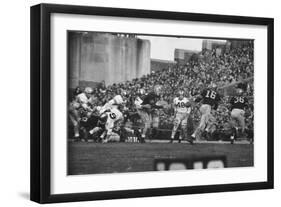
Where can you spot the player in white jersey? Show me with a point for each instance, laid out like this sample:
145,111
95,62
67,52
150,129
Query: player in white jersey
81,101
114,119
113,115
108,120
182,107
84,99
113,103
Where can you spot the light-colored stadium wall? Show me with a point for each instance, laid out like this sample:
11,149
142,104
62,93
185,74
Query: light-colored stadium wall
97,57
74,59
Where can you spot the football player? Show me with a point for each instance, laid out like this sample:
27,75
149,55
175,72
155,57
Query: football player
87,122
114,103
238,104
148,111
99,127
74,117
85,99
78,105
182,107
138,100
77,91
210,99
114,119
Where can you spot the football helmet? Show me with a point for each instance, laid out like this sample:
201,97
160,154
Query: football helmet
239,91
103,117
77,91
88,90
181,94
213,86
157,89
141,91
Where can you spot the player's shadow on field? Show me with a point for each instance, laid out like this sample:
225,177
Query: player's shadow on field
24,195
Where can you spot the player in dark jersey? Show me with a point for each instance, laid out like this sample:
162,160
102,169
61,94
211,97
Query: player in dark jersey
149,113
210,100
88,120
210,97
97,124
238,104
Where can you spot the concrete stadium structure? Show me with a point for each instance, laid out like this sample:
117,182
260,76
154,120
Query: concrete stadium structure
95,57
182,56
158,65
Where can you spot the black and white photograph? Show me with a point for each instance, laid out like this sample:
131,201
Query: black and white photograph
129,103
143,102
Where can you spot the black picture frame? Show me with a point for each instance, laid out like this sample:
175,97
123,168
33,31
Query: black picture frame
41,102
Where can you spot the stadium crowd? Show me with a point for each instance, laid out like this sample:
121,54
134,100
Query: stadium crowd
233,68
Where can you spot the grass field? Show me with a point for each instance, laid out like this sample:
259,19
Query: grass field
92,158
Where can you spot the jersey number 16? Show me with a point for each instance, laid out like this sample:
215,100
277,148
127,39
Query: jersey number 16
211,94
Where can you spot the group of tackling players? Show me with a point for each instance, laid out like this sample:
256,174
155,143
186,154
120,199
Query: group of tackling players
92,119
104,122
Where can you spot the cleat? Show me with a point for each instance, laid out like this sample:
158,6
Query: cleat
142,140
251,141
190,141
193,136
76,139
232,139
